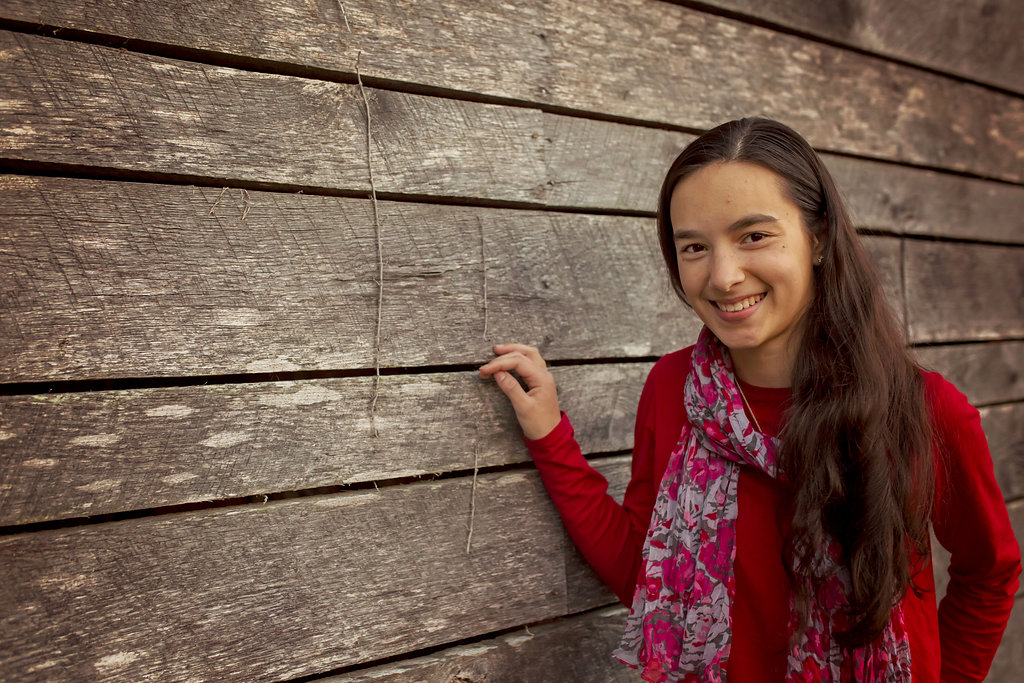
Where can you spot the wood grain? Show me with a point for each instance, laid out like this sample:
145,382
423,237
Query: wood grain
125,279
173,117
1004,429
598,164
91,453
978,39
884,253
576,648
287,589
97,106
1009,659
604,56
917,202
961,292
992,372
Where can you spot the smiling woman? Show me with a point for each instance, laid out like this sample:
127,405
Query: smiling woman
787,467
745,260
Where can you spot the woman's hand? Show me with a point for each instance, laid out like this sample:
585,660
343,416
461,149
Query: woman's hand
537,408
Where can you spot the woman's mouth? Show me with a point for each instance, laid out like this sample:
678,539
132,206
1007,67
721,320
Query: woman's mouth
735,306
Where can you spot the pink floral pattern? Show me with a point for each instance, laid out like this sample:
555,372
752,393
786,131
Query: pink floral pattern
680,627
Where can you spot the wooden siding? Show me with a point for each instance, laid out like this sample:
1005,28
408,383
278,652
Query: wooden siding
976,39
326,581
600,56
190,487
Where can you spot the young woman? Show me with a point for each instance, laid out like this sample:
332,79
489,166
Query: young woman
788,466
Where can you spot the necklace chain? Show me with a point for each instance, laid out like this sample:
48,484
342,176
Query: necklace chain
750,408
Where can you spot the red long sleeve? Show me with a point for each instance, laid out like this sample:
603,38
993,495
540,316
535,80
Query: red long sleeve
611,536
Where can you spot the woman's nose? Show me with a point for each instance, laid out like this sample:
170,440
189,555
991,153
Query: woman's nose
726,270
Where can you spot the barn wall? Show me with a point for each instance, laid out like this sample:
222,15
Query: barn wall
203,477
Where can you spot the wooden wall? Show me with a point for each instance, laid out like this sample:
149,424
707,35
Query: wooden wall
197,482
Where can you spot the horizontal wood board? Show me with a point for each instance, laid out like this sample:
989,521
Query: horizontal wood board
91,453
608,57
83,104
991,372
1009,659
124,279
576,648
916,202
977,39
963,292
101,452
173,117
130,279
1004,429
287,589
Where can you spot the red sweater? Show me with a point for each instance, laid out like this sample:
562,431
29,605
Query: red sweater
969,519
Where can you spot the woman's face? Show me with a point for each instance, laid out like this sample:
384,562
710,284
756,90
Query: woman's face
745,258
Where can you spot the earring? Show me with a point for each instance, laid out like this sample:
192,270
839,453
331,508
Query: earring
819,260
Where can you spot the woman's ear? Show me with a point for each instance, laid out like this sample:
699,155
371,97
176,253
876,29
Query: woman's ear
817,251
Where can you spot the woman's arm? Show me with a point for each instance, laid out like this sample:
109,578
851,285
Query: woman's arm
609,535
971,522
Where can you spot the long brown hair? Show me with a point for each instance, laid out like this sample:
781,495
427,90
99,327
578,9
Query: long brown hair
856,445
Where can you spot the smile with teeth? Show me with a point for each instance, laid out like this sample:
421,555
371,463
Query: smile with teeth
739,305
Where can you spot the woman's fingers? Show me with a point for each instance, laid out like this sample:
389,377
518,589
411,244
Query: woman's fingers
537,406
530,352
511,388
533,373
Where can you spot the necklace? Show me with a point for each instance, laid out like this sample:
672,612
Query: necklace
750,408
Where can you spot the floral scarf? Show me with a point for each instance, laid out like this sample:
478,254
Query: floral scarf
680,625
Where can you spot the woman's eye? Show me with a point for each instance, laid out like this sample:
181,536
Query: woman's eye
692,249
754,236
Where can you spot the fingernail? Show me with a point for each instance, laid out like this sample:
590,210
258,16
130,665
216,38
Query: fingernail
500,376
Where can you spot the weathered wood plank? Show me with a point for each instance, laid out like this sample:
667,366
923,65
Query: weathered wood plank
1009,659
572,649
979,39
174,117
605,56
617,166
992,372
884,253
1004,430
271,592
124,279
916,202
963,292
83,104
601,164
68,455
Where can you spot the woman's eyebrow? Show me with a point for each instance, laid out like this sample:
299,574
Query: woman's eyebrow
745,222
